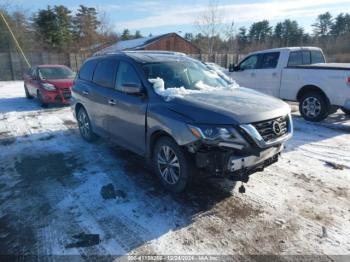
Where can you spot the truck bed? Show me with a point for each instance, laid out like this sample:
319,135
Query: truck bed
325,66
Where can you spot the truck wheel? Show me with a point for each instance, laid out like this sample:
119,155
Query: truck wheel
346,111
313,106
85,126
171,165
27,92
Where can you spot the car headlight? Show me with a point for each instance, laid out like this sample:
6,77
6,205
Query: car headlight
49,87
213,133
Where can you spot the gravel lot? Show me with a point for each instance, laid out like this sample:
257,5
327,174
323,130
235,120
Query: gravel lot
62,196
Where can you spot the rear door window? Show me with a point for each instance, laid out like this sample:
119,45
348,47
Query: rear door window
295,58
104,74
306,57
87,70
299,58
269,60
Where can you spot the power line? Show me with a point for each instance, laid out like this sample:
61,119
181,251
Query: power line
14,38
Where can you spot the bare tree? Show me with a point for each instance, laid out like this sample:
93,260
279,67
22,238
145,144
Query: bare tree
230,35
209,24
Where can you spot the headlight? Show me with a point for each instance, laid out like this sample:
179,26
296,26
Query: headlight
212,132
49,87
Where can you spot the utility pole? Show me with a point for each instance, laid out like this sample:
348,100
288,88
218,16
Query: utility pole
14,39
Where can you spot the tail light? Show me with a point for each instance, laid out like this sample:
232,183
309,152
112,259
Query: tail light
348,81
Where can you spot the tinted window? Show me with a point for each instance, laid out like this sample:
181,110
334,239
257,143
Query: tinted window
269,60
306,58
87,70
295,58
104,74
249,63
126,75
317,57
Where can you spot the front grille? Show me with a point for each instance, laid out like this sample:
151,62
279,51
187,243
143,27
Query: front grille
273,128
66,93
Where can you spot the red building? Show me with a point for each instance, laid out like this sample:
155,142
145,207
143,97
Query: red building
167,42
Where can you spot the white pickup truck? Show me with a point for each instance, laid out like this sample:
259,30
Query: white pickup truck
298,74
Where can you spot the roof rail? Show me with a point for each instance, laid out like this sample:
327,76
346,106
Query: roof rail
140,52
154,52
107,53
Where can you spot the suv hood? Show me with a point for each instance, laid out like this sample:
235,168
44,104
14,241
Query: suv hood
237,106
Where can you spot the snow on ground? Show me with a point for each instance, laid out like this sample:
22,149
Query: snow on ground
51,200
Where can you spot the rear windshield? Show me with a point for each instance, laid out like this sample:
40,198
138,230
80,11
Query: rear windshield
186,74
56,73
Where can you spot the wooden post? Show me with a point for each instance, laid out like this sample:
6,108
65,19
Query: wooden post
11,66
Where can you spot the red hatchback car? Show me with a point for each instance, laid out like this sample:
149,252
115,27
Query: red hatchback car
51,84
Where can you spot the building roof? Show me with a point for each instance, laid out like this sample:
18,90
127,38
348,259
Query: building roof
134,44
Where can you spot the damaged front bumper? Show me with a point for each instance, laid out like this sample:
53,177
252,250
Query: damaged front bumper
235,165
253,147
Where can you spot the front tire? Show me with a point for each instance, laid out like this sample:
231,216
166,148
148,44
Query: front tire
346,111
41,100
172,165
27,92
314,107
84,125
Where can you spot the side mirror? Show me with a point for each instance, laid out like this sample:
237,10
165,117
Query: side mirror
132,89
233,68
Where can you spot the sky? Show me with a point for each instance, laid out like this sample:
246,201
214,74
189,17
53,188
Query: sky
164,16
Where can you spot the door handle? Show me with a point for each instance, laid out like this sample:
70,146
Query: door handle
252,74
112,102
85,92
274,74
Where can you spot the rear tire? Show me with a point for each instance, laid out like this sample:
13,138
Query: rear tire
346,111
84,125
172,165
27,92
313,106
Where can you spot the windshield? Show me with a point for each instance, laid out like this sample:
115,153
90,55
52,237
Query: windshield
56,73
184,74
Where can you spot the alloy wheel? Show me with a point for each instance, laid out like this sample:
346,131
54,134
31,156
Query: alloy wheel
168,165
84,124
